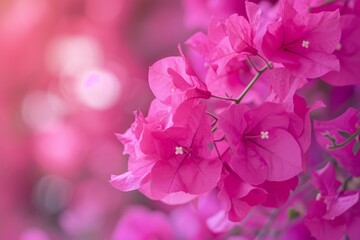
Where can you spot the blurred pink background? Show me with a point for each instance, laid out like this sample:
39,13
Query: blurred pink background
71,74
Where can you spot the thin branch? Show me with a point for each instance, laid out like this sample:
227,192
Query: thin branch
343,144
213,116
268,64
252,64
223,98
249,86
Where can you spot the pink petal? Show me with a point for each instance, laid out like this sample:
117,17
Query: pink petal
241,35
340,205
126,181
190,175
282,154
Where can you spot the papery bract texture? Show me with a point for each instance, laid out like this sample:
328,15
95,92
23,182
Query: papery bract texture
333,212
348,53
257,138
172,81
171,155
239,196
303,43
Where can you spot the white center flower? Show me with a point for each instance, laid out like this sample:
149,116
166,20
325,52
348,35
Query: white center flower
264,134
318,197
305,44
179,150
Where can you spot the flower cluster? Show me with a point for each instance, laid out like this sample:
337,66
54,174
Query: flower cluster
228,119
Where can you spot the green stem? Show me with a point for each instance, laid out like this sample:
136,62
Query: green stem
343,144
346,183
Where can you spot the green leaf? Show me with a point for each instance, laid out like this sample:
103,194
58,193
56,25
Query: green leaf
293,213
344,134
356,148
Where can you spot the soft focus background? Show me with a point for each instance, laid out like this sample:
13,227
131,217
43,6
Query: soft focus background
71,74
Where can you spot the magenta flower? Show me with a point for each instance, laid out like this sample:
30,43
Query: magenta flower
230,40
229,125
278,192
257,138
242,32
139,223
334,212
172,80
171,155
348,53
238,196
303,43
215,47
283,87
186,163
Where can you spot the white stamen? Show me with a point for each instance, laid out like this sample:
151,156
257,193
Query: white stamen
264,134
172,89
179,150
318,197
305,44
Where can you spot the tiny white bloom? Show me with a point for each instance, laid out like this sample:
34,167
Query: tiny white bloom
305,44
264,134
179,150
318,197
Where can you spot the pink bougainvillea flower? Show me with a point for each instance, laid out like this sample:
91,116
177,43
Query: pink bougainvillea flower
185,158
241,31
303,111
139,163
337,202
303,43
257,138
278,192
324,180
239,197
348,53
171,155
139,223
195,216
172,80
228,40
341,129
215,47
283,86
227,74
320,228
241,35
333,212
205,43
